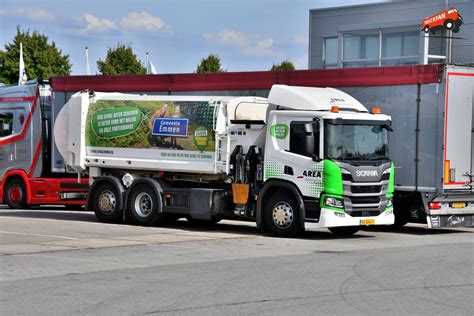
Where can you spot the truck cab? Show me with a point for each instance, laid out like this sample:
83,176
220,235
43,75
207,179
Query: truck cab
327,145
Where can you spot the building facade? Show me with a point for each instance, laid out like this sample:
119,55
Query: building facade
386,34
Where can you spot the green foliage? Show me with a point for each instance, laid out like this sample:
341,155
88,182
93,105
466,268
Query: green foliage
285,65
42,59
121,60
210,64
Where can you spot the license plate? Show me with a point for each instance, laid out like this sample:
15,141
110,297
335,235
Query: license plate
458,204
367,222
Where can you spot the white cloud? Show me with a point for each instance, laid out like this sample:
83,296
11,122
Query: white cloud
143,21
231,37
94,24
38,15
247,44
263,47
300,39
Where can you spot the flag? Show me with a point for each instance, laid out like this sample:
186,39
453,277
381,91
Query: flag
150,68
22,78
88,69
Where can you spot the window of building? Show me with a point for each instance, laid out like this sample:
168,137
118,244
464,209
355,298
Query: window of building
360,50
400,48
6,124
330,52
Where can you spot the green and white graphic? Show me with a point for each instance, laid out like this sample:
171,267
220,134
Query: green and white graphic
279,131
116,122
201,137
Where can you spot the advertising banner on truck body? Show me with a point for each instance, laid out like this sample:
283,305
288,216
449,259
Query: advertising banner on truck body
177,130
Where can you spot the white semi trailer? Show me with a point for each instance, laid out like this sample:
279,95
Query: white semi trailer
303,158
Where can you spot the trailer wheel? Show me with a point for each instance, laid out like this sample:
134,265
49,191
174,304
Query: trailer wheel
15,193
344,231
105,203
144,206
282,215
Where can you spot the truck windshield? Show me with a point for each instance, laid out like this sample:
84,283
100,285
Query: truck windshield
356,142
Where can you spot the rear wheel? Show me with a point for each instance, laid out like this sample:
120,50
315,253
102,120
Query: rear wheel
106,203
144,207
15,193
344,231
282,215
449,24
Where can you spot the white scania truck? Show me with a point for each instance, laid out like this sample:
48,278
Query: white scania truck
303,158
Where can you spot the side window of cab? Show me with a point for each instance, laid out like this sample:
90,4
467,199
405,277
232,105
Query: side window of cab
6,124
304,138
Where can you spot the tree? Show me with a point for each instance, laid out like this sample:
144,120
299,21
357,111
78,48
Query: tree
283,66
210,64
42,59
121,60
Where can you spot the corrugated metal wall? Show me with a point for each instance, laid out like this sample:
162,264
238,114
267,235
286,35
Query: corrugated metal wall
333,21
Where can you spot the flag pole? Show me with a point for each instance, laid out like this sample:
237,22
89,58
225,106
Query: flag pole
88,69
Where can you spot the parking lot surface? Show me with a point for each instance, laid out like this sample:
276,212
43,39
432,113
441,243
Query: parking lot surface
55,261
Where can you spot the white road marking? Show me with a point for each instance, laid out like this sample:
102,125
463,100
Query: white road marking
40,235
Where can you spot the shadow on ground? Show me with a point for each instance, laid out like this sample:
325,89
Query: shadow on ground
416,230
62,214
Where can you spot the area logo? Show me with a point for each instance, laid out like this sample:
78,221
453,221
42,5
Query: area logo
312,174
367,173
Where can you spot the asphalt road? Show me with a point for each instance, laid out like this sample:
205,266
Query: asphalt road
55,261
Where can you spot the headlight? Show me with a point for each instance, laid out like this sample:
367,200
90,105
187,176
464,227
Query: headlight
389,202
333,202
345,171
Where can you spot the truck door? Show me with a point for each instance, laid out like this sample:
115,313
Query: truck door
458,138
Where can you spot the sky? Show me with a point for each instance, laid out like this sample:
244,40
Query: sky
247,35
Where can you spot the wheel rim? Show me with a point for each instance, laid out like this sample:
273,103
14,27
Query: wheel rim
282,214
15,194
449,25
143,204
107,202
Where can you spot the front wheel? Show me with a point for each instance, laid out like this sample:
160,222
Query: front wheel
15,193
344,231
282,215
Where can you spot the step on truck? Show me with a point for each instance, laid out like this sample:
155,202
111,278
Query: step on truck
301,158
26,176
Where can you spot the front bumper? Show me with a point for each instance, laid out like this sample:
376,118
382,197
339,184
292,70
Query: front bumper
329,218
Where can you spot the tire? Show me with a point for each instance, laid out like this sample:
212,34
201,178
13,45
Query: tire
144,207
426,29
282,215
105,203
344,231
15,193
449,24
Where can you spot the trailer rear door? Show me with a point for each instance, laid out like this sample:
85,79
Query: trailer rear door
459,129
